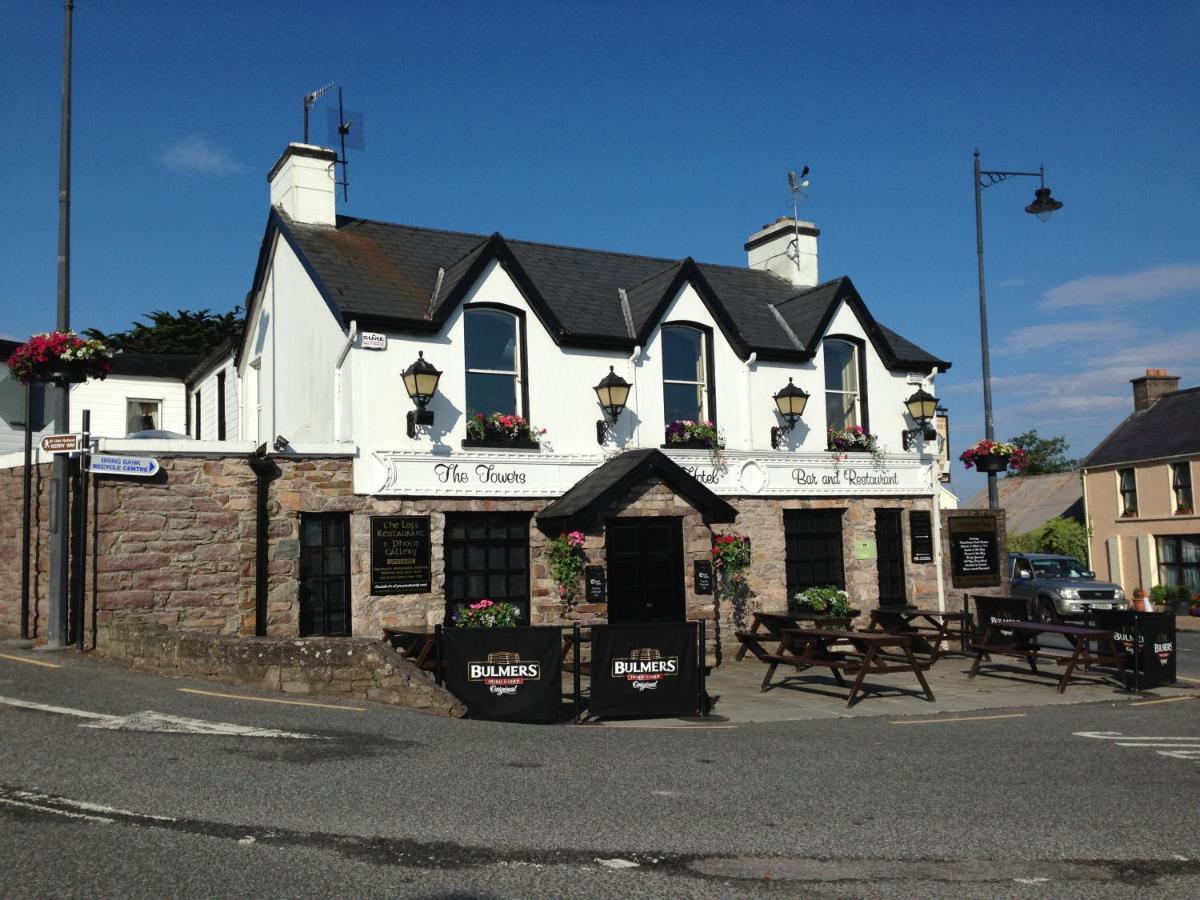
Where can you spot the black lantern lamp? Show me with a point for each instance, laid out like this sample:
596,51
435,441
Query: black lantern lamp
1043,205
613,392
421,381
922,406
789,403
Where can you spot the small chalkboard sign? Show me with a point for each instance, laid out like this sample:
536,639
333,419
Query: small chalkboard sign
703,576
920,530
593,577
400,555
974,551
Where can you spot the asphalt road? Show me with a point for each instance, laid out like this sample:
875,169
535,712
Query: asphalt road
137,785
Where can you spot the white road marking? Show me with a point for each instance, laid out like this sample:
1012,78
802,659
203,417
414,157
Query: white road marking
35,797
273,700
617,863
58,812
148,720
1178,747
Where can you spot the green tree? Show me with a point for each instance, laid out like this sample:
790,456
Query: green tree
1064,536
184,331
1046,455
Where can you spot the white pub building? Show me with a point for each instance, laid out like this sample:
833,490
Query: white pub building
381,477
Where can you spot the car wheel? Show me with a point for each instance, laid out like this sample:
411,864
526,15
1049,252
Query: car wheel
1046,612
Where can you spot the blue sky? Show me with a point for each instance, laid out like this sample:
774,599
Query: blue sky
658,128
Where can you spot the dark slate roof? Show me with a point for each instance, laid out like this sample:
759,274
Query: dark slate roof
605,485
387,276
154,365
1030,501
1171,427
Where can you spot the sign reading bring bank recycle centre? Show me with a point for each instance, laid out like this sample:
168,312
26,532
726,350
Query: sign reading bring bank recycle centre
108,464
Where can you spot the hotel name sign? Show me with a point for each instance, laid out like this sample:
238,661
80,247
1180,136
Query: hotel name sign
531,474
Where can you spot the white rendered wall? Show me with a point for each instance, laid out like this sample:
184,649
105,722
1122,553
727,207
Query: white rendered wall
107,401
208,390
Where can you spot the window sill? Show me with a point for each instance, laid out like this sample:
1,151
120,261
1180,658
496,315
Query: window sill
493,444
689,445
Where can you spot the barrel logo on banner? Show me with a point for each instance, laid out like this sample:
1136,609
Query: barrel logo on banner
1163,648
645,667
504,672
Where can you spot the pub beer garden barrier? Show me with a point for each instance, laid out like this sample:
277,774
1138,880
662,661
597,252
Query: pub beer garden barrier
642,670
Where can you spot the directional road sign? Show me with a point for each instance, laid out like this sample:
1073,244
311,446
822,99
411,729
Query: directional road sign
62,443
108,464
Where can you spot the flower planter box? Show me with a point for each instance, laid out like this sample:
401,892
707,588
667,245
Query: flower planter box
694,444
491,443
995,462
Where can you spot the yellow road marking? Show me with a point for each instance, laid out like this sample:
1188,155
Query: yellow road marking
1166,700
31,662
959,719
273,700
1185,678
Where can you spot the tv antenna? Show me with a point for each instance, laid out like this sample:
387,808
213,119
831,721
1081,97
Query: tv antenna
799,188
345,130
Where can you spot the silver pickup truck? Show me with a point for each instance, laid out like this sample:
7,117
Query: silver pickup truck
1060,586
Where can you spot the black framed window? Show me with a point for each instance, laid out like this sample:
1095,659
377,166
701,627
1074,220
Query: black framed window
197,414
324,574
685,374
487,557
813,541
221,405
1181,487
1179,560
1127,482
492,338
843,395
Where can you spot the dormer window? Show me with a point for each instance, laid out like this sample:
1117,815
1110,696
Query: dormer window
843,394
685,374
494,362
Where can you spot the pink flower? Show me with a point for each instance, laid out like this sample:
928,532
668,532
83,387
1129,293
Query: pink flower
482,604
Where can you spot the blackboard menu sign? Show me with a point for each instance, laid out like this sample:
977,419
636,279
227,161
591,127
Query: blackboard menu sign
400,555
974,554
920,531
702,577
593,577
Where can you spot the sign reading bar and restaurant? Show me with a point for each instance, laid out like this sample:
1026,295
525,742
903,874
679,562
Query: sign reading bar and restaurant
974,551
400,555
645,669
507,674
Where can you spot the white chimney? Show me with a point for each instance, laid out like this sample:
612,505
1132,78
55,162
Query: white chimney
304,184
787,248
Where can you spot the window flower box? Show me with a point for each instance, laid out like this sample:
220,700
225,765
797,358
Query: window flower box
61,357
502,431
684,434
855,439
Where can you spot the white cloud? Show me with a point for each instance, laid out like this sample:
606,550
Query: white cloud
1103,290
195,154
1066,335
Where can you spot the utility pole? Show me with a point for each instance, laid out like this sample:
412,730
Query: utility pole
60,512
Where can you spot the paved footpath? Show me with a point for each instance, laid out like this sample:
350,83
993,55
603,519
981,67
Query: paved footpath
121,784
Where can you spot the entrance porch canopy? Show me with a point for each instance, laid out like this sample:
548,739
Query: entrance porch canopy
596,492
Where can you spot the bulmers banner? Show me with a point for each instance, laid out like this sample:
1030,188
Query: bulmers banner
644,670
507,674
1148,642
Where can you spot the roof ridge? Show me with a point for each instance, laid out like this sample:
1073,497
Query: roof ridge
677,264
816,287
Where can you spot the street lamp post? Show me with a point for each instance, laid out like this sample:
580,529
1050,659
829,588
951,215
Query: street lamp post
1042,206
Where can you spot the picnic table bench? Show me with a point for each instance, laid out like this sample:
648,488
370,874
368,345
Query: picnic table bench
860,653
770,625
930,629
413,641
1022,643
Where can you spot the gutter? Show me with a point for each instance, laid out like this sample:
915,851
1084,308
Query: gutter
265,470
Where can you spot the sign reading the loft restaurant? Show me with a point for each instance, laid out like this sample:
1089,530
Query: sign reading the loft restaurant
400,552
974,552
534,473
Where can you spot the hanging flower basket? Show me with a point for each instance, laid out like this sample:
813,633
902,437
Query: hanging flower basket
994,456
62,357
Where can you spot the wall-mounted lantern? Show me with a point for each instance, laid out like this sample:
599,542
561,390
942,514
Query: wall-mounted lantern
613,391
421,381
922,406
789,403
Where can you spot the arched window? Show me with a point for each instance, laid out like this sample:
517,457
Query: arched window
685,374
493,357
843,394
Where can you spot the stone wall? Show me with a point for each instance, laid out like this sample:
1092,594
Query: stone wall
11,507
342,667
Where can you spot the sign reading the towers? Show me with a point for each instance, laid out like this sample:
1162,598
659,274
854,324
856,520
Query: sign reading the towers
400,555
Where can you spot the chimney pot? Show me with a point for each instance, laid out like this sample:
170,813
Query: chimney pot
1148,389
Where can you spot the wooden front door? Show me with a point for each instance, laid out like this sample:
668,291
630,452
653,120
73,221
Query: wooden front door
645,570
889,544
324,574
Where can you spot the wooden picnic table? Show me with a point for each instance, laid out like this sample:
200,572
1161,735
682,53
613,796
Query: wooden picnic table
930,628
771,624
861,653
1022,643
